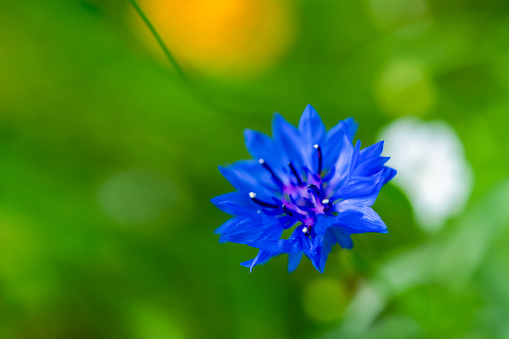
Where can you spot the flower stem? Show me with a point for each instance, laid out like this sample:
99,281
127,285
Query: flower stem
165,49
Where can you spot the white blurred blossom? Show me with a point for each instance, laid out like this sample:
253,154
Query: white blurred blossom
432,168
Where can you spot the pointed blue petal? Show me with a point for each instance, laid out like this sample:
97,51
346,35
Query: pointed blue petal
311,126
234,203
341,237
326,248
356,187
263,235
351,126
315,260
262,258
227,225
333,144
288,140
261,146
323,222
249,176
294,261
370,166
372,151
361,220
388,174
342,165
360,198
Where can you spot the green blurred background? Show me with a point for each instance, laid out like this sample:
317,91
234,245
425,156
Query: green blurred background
108,160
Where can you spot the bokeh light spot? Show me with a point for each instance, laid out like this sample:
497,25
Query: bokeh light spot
135,197
404,88
324,300
388,14
226,37
432,168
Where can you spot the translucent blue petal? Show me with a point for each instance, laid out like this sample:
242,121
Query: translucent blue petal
357,200
234,203
261,146
370,167
388,174
358,186
326,248
315,260
323,222
311,127
361,220
341,237
372,151
249,176
355,156
256,234
258,144
342,165
351,127
288,139
262,258
333,144
294,261
227,225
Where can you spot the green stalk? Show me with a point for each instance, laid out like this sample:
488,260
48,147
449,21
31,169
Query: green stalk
165,49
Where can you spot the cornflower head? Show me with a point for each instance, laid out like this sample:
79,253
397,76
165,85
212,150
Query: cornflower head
307,178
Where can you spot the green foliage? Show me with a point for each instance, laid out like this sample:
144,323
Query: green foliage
108,161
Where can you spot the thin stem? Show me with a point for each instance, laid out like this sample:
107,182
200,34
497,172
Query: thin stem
165,49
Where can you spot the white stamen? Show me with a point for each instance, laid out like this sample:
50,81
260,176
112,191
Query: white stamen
252,195
325,201
261,161
305,230
316,146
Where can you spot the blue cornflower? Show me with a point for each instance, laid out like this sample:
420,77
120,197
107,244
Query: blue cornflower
307,177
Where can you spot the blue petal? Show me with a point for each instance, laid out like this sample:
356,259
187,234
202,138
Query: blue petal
234,203
341,237
297,241
333,144
351,127
255,233
294,261
287,139
326,248
227,225
361,220
372,151
388,174
355,155
262,258
323,222
258,144
261,146
315,260
358,186
249,176
357,199
311,126
370,167
342,165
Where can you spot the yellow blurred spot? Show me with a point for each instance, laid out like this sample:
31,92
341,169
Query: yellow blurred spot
324,300
229,37
404,89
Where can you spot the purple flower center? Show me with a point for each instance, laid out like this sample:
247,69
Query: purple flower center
302,198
